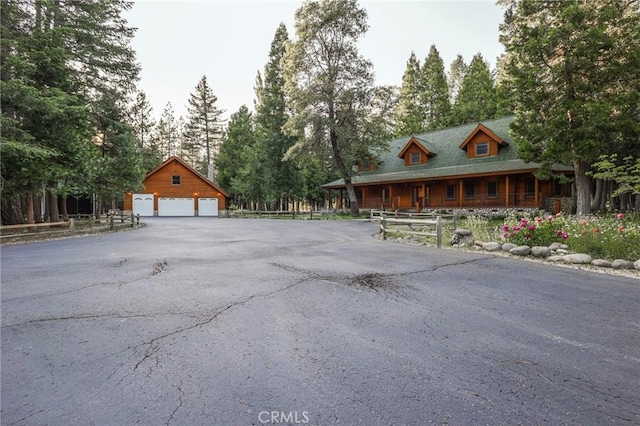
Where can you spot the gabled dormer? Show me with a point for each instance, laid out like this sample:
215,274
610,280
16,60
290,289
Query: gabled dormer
415,152
367,164
482,142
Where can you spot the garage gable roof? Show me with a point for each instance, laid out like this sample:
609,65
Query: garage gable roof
171,159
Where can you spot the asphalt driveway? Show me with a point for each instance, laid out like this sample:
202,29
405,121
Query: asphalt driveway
204,321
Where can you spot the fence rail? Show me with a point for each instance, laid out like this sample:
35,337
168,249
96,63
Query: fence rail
70,227
419,220
292,214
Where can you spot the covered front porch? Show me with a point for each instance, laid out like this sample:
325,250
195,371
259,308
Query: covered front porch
522,190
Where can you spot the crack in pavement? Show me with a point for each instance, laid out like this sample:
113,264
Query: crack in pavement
173,413
97,316
158,267
153,345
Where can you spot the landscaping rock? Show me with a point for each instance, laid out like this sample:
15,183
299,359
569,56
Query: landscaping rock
555,246
521,251
622,264
461,237
508,246
636,265
555,258
578,258
562,251
564,247
491,246
601,262
540,251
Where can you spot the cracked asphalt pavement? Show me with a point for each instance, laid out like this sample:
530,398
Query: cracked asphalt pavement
202,321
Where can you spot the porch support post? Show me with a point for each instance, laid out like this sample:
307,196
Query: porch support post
340,200
535,186
364,196
506,199
424,196
461,191
391,198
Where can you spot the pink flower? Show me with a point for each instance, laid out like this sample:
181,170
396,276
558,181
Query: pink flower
516,228
505,227
620,229
505,235
532,227
559,232
524,221
565,235
527,235
538,219
550,218
620,216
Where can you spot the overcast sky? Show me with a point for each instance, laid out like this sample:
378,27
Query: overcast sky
179,41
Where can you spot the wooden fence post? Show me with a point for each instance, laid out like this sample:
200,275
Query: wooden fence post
438,232
111,223
383,228
72,226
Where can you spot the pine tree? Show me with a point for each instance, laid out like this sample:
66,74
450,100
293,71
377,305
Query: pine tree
230,160
457,72
410,114
166,134
476,100
574,68
282,176
203,128
434,91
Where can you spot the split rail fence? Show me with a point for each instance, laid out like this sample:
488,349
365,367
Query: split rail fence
421,224
70,227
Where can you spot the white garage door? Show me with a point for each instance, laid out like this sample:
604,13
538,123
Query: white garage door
207,207
169,206
143,204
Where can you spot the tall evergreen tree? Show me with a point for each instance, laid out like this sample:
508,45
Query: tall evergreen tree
143,124
282,175
434,91
575,71
231,158
476,100
166,133
58,60
203,128
457,72
330,88
410,114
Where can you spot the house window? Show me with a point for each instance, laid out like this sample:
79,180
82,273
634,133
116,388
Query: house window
492,189
415,158
451,192
529,188
482,148
175,180
469,190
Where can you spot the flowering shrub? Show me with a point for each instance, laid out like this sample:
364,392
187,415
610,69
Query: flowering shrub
539,231
607,237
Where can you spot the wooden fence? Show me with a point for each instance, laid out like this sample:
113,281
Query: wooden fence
70,227
422,224
280,214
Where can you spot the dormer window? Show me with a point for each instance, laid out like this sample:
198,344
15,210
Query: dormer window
482,142
175,180
416,151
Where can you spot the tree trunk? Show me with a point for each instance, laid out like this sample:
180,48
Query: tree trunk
595,202
583,188
30,212
52,198
65,213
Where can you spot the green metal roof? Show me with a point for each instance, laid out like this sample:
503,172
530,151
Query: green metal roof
449,159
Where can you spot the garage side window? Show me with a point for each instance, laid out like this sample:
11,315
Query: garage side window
175,180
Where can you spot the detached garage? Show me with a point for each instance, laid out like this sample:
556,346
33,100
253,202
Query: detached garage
176,189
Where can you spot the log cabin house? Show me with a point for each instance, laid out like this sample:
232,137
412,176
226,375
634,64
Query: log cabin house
471,166
175,189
